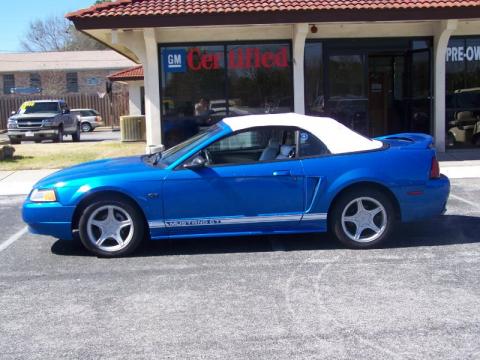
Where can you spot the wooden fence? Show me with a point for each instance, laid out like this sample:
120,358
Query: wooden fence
109,110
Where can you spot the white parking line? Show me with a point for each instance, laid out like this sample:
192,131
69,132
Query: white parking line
13,238
471,203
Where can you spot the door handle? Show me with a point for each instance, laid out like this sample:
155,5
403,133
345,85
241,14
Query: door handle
282,173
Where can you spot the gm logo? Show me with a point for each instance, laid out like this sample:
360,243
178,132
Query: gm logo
174,60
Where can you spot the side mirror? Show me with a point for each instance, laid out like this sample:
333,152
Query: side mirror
196,163
66,111
13,112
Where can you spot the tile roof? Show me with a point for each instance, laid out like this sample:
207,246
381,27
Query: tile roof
63,60
134,8
134,73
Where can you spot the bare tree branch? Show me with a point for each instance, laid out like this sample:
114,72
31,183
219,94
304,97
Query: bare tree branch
55,33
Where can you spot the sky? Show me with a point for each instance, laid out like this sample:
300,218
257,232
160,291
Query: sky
16,15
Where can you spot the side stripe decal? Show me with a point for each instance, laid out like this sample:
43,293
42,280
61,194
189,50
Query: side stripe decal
174,223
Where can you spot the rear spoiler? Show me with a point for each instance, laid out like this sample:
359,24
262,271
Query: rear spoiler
412,140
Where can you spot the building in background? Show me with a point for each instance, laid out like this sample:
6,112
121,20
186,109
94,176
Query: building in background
133,78
79,77
398,66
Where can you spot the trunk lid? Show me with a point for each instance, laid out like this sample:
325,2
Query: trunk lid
408,140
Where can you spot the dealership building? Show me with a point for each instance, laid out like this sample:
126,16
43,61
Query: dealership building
378,66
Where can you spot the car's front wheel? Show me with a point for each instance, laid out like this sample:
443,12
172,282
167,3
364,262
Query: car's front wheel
362,218
111,228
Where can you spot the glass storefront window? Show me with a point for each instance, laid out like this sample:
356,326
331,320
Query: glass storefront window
259,79
463,92
347,102
204,84
314,94
193,81
375,86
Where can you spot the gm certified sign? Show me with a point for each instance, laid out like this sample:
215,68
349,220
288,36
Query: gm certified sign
174,60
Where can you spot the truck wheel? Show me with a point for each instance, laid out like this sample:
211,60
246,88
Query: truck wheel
15,141
59,137
362,219
76,135
86,127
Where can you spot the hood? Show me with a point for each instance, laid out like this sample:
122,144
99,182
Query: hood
43,115
98,168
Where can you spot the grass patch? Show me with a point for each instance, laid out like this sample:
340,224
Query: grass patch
55,156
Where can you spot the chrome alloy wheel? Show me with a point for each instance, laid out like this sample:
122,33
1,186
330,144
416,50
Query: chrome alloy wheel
110,228
364,219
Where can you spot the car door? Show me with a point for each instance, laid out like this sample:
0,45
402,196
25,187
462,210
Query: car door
68,118
246,197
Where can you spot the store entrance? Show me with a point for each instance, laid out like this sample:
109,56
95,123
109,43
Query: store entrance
386,100
378,91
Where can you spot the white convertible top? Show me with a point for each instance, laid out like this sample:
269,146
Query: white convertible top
337,137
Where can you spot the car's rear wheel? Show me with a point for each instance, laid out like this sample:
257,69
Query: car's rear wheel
111,228
76,135
362,218
86,127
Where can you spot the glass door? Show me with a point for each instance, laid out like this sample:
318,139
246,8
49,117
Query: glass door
346,98
419,87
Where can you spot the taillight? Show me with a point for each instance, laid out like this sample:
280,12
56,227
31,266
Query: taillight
435,169
98,118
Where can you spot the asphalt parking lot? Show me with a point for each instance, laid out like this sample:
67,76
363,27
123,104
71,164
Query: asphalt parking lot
283,297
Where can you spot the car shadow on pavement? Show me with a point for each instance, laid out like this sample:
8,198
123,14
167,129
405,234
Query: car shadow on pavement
441,231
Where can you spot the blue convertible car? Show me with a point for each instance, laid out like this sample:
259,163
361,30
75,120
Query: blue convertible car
259,174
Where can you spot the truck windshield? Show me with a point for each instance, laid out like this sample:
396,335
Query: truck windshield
31,107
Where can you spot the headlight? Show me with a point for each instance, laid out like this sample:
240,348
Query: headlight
12,124
43,195
48,122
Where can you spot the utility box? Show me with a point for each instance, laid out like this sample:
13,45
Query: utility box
132,128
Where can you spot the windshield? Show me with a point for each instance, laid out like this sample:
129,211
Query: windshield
176,152
31,107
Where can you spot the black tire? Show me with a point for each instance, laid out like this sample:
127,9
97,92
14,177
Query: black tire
347,203
76,135
95,211
15,141
86,127
37,141
59,136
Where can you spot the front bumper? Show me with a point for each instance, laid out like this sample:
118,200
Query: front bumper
53,219
32,133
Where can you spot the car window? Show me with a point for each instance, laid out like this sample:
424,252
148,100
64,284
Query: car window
86,113
310,145
176,152
250,146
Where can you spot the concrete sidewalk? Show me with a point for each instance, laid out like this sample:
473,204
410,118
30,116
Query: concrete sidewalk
21,182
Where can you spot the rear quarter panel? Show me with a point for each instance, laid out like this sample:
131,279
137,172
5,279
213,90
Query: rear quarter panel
398,169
